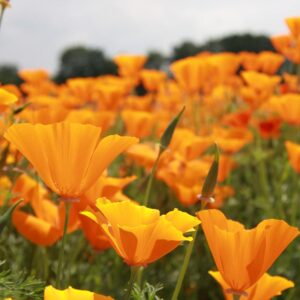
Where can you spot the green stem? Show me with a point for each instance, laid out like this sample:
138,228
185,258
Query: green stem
133,275
184,267
150,181
236,297
59,275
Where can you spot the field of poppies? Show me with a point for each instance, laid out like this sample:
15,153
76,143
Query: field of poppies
177,184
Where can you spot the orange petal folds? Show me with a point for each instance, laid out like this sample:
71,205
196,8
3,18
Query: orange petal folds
152,79
243,256
266,287
130,65
293,151
7,98
294,26
35,229
72,294
69,157
139,234
138,123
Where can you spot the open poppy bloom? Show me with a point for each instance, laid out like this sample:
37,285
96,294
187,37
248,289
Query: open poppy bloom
6,99
72,294
242,256
293,151
69,157
266,287
45,226
140,235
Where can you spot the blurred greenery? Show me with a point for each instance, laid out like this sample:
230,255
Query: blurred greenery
83,61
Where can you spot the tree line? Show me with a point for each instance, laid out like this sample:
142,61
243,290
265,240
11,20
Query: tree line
82,61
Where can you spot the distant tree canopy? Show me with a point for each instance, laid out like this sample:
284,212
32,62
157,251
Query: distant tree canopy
82,61
9,75
156,60
231,43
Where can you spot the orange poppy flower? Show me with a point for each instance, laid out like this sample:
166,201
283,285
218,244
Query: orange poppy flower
130,65
266,287
134,102
288,46
72,294
243,256
103,119
6,99
232,140
226,64
45,227
294,26
138,123
152,79
44,115
293,151
26,188
139,234
270,62
286,106
69,157
193,73
238,119
269,128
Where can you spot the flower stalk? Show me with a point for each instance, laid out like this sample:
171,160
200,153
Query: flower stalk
59,273
134,270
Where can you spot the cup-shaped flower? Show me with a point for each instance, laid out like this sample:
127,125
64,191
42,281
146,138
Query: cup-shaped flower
242,256
140,235
266,287
72,294
69,157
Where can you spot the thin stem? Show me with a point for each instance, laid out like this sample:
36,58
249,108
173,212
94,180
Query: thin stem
2,9
236,297
133,275
59,275
150,181
185,264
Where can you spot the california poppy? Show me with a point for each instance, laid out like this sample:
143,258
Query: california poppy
293,151
45,226
69,157
266,287
72,294
242,256
140,235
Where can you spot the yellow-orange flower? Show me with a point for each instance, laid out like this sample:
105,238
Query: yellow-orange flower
266,287
69,157
130,65
293,151
243,256
72,294
6,99
139,234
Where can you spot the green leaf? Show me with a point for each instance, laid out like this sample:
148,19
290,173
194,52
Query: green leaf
21,108
5,218
211,178
167,135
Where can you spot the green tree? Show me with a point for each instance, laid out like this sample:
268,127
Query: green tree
80,61
156,60
9,75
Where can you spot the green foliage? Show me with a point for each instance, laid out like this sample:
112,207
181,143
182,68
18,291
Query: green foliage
80,61
147,292
156,60
9,75
230,43
20,287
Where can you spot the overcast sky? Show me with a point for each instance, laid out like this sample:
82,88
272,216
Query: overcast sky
34,32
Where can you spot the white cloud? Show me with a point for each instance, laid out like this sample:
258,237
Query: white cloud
34,32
